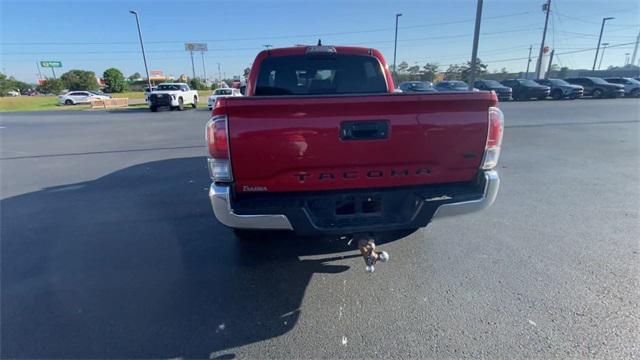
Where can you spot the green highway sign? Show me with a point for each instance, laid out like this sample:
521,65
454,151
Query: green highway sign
51,64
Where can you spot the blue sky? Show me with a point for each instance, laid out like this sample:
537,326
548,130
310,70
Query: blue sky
95,35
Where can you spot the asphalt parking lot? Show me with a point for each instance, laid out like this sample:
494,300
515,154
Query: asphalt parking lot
109,249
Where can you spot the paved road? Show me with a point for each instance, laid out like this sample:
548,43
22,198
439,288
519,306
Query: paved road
110,250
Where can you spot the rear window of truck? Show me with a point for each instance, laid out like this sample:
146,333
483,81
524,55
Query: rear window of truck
320,75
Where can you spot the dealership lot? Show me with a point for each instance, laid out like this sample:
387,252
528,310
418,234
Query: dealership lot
110,250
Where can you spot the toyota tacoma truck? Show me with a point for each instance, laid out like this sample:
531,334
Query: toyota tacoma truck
321,144
173,96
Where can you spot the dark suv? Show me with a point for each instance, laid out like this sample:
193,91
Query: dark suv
504,93
416,87
597,87
561,89
524,89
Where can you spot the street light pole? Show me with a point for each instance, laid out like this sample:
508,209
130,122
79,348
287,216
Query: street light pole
604,47
144,57
595,59
395,47
474,52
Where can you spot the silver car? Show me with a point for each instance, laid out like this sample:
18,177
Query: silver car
631,86
80,97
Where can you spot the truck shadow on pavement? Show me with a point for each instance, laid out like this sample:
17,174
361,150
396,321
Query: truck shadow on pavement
134,265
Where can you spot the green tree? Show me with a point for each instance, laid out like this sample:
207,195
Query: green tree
80,80
114,80
429,71
454,72
135,76
402,67
11,84
481,70
197,84
51,86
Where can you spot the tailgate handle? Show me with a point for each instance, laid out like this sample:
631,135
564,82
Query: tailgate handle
364,130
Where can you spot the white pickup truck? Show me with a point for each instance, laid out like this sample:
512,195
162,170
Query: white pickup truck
173,95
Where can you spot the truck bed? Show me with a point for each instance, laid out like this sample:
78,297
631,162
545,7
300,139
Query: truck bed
334,142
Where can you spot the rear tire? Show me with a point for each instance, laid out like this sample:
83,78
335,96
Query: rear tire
195,102
180,104
153,108
596,94
557,94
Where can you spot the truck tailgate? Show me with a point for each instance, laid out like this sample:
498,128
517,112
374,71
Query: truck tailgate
316,143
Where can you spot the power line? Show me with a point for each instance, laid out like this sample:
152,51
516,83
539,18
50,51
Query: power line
266,37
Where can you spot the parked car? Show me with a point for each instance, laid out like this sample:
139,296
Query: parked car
597,87
80,97
13,93
416,87
289,157
561,89
452,85
524,89
221,93
504,92
631,86
172,95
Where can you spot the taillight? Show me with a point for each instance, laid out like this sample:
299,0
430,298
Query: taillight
218,142
494,139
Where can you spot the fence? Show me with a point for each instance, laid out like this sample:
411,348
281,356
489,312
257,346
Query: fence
109,103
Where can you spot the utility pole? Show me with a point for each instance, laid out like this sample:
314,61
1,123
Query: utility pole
599,40
546,8
144,57
626,58
546,75
53,71
204,69
526,75
604,47
395,48
219,73
474,51
635,50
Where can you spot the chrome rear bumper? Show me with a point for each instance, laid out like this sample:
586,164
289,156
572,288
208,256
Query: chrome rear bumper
220,197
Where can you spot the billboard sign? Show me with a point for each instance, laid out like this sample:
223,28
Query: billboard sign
51,64
155,73
196,47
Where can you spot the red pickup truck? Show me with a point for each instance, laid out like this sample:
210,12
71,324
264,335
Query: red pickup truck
323,144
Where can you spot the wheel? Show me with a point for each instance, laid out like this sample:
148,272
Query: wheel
556,94
153,108
522,97
195,102
68,102
180,104
542,97
597,93
635,93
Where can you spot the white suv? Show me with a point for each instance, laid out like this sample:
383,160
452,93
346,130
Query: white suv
221,93
80,97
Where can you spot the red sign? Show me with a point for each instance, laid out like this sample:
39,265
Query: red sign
155,73
545,49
